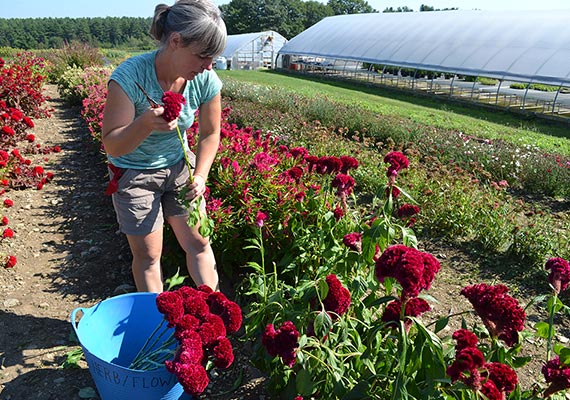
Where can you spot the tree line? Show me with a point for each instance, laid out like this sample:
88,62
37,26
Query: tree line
287,17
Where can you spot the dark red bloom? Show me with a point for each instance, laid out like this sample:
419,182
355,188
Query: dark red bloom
8,233
407,211
348,163
501,314
344,184
10,262
299,152
490,390
190,350
464,338
353,241
260,218
295,173
557,374
8,203
504,377
469,359
559,275
170,304
184,325
338,297
413,269
328,165
229,311
282,342
223,353
338,213
193,377
415,307
173,103
211,329
397,160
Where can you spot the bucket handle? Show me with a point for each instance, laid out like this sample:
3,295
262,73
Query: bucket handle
74,321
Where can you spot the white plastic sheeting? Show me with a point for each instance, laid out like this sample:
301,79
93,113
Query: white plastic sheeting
253,50
524,46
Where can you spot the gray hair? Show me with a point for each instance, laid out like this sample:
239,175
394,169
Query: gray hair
199,23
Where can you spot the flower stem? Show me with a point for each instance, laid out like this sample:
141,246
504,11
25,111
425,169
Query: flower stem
551,311
186,159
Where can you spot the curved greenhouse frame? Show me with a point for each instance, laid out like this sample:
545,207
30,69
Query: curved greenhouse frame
253,50
514,59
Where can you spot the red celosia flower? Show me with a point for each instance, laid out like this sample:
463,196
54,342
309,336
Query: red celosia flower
190,350
503,376
4,220
299,152
30,138
397,160
501,314
464,338
260,218
193,377
223,353
211,329
559,275
490,390
8,233
343,184
8,130
170,304
10,262
353,241
282,342
229,311
28,121
8,203
407,210
338,297
557,374
414,308
348,163
186,325
173,103
469,359
295,173
338,213
413,269
328,165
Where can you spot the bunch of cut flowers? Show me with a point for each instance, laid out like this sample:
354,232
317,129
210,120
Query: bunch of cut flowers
201,319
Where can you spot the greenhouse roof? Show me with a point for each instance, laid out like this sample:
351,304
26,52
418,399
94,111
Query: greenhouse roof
237,42
526,46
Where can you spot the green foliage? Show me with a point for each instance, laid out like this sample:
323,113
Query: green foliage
74,55
54,33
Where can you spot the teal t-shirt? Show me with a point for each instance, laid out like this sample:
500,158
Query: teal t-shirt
160,149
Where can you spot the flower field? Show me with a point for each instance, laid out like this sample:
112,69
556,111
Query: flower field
320,211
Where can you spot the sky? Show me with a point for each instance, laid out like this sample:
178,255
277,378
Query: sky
145,8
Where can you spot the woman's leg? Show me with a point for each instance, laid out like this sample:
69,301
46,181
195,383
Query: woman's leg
146,250
199,255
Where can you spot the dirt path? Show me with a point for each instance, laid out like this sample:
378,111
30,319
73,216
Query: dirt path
69,256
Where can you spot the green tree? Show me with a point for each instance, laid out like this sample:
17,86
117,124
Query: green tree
315,11
340,7
399,9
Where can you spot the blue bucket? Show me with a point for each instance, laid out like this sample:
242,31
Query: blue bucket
111,334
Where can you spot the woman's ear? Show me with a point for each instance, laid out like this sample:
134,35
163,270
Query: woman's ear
175,40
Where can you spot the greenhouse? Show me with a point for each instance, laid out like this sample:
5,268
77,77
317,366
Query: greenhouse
251,51
501,58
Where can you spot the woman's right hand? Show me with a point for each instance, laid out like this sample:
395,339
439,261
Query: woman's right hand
154,121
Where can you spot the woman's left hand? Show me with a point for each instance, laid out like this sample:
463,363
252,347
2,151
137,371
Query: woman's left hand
197,188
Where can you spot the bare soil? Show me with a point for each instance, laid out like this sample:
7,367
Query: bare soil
70,255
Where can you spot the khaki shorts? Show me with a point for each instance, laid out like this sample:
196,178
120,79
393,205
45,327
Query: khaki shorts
144,198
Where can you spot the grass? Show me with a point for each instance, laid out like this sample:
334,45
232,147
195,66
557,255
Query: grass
472,120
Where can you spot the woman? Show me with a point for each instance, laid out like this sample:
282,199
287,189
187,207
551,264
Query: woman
145,155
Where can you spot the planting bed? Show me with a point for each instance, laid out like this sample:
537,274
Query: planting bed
70,255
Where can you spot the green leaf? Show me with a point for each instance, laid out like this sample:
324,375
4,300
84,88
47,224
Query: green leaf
565,356
441,324
519,362
542,329
72,358
322,288
323,324
303,383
